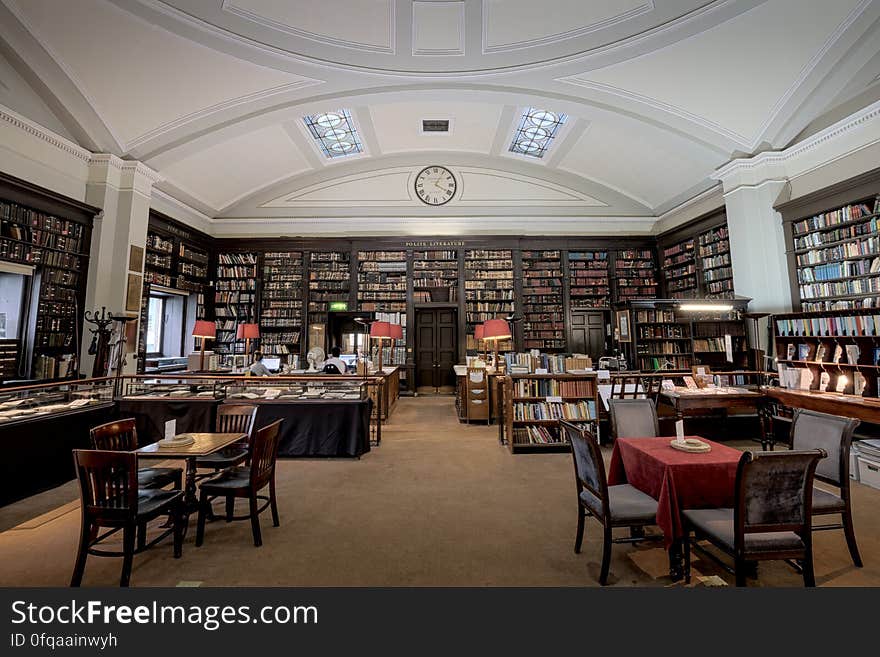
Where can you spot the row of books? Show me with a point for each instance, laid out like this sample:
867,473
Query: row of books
838,270
189,253
381,256
23,216
713,236
846,325
835,217
536,435
718,274
236,284
434,255
159,243
237,259
502,265
868,248
840,288
35,255
237,271
579,410
158,260
552,388
812,240
715,248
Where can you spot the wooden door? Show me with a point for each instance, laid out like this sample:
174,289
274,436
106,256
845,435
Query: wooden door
436,348
587,333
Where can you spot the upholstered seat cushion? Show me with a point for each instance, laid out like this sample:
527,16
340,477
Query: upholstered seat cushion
717,524
825,502
226,458
152,500
227,480
625,503
158,477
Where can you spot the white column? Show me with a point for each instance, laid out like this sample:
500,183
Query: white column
122,190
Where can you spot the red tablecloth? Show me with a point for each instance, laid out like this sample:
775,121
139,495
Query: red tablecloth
677,480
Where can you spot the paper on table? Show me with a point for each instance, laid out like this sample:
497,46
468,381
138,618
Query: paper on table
170,429
679,430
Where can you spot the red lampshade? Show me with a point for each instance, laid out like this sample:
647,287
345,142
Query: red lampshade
396,332
380,330
496,329
204,329
247,331
478,332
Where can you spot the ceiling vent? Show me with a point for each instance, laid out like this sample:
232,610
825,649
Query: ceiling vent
435,125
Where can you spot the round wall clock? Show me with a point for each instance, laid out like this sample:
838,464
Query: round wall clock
435,185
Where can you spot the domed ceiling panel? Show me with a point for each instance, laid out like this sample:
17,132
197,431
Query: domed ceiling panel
472,126
720,76
362,25
124,66
442,36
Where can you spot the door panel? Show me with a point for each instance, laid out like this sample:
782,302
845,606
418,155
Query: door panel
587,332
436,347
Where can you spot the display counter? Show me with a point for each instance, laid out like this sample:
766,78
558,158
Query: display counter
39,427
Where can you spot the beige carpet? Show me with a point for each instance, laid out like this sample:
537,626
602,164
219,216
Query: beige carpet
438,504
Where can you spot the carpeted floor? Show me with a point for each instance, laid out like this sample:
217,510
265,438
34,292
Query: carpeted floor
438,504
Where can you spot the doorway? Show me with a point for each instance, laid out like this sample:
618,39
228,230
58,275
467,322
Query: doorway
436,349
588,333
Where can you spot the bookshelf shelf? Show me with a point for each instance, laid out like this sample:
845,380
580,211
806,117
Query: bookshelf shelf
489,290
382,289
329,280
281,303
235,302
635,275
543,319
589,285
435,276
534,404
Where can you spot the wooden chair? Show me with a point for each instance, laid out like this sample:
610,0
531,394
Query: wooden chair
626,386
121,436
245,482
633,418
811,429
231,418
771,518
613,506
110,498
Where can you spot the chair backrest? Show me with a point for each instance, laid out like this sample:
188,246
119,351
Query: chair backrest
652,385
810,429
116,436
633,418
589,466
107,482
264,451
626,386
236,418
774,493
330,368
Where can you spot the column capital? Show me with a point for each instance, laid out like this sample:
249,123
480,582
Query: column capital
125,175
751,172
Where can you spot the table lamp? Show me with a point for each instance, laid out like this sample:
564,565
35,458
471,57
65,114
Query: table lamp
380,331
495,330
204,330
247,332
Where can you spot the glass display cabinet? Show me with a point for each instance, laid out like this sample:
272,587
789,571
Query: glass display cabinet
41,401
282,390
171,387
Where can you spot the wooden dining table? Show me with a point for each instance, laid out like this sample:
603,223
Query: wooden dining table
677,480
204,444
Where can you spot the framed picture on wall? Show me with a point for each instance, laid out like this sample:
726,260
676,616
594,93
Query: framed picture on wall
622,317
136,258
133,294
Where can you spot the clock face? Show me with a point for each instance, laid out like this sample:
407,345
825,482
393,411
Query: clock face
435,185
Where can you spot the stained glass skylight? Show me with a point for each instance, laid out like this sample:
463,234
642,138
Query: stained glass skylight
536,131
335,133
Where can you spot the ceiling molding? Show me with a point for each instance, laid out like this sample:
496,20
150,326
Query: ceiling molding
458,50
659,106
771,165
229,7
554,38
245,100
44,134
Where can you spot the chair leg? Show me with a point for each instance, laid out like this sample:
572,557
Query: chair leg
200,525
141,535
850,534
255,520
807,566
178,481
606,557
178,517
230,507
686,545
273,503
128,539
82,553
739,571
579,536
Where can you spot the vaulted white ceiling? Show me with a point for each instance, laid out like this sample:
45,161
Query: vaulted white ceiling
658,94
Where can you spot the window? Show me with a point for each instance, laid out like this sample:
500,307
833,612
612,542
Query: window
335,133
536,130
155,325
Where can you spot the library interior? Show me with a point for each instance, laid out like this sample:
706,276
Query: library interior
523,294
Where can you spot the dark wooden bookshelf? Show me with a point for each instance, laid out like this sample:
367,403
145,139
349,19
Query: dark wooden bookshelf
489,290
382,290
235,298
281,303
541,301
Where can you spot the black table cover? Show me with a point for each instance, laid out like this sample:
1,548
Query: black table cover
192,415
38,452
319,427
